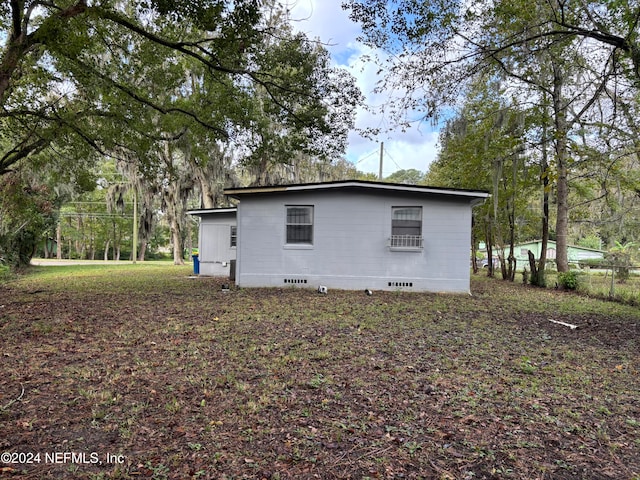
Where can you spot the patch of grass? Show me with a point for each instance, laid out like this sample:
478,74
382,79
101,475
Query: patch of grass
5,274
187,382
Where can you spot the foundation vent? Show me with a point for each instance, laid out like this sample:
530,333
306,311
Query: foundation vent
295,280
400,284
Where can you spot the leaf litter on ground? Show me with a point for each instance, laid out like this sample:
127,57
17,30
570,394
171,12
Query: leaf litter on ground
179,379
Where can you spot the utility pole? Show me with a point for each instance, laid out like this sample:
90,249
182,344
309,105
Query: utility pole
381,154
134,252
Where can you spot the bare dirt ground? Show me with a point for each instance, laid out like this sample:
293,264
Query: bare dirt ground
131,375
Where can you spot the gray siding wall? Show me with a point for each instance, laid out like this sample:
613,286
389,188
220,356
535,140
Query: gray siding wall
351,244
215,249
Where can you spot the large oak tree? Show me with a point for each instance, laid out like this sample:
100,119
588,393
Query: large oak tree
84,80
70,70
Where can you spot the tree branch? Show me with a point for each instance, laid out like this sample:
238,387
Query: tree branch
177,46
19,152
615,41
146,101
16,21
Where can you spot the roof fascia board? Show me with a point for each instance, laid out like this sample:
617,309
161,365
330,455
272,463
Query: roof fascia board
388,187
211,211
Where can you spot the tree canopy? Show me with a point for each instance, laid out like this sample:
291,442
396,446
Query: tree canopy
163,87
576,63
109,75
443,43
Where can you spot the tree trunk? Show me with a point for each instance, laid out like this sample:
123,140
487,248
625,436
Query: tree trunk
115,240
511,203
562,222
503,262
174,197
511,259
208,194
489,241
542,262
474,248
189,238
18,45
539,278
176,240
142,250
145,228
59,241
534,269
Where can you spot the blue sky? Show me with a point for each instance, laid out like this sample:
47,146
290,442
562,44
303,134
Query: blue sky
416,148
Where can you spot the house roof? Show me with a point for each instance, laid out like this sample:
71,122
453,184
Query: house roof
211,211
477,196
553,242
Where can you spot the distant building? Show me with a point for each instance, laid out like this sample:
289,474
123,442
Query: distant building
575,254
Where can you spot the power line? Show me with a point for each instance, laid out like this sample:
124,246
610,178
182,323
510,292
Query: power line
85,203
367,156
386,152
94,215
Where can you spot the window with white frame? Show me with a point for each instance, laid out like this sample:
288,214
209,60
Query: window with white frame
299,225
406,227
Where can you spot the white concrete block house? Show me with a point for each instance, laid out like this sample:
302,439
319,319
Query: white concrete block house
216,240
345,235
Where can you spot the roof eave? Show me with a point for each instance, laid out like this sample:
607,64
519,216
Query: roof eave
392,187
211,211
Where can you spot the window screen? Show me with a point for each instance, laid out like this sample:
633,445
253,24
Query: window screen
406,221
299,224
233,236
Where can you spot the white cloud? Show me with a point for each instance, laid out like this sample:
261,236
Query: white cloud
326,20
415,148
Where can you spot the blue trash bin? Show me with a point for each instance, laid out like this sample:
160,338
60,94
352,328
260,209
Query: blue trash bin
196,264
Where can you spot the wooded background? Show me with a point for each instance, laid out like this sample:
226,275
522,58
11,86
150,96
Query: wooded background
169,102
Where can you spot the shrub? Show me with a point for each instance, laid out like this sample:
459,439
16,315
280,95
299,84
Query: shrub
569,280
621,257
5,273
26,212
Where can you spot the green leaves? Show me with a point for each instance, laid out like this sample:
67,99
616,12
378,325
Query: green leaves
26,210
133,80
119,76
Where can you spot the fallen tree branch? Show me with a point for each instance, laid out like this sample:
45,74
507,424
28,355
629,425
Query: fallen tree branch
572,327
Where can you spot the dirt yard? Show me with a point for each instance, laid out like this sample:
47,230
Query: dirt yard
140,372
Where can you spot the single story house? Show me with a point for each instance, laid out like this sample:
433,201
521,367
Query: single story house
345,235
575,254
217,240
